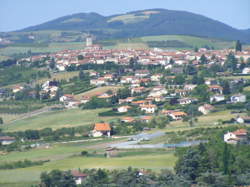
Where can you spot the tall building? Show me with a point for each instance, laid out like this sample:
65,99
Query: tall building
89,41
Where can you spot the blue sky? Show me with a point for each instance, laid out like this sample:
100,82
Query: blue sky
17,14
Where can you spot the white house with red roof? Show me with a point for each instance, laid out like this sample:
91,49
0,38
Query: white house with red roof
148,108
205,109
123,109
101,129
234,137
78,176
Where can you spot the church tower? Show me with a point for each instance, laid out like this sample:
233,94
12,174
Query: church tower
89,41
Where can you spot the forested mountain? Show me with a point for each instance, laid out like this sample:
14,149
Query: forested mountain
145,23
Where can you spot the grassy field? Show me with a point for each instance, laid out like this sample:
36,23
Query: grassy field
28,175
191,40
58,119
52,47
65,156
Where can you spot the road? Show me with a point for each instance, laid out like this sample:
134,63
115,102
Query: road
133,144
36,112
133,141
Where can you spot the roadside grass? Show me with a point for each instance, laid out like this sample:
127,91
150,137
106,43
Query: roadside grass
58,119
2,58
97,91
7,118
236,77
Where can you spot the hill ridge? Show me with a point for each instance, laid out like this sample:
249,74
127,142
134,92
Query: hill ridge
146,22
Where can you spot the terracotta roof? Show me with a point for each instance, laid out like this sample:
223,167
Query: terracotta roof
6,138
148,106
76,173
147,117
215,87
129,119
139,102
179,113
102,127
240,132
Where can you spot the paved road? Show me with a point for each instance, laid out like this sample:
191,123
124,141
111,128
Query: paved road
134,140
36,112
133,144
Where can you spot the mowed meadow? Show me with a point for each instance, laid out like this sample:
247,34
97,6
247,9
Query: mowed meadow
67,156
58,119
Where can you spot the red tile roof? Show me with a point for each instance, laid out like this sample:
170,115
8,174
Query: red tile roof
240,132
102,127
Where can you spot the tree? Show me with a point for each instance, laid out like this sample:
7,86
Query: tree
1,120
198,79
84,153
57,178
231,62
203,59
80,57
225,159
188,166
123,93
226,87
202,92
179,79
212,180
81,75
37,90
238,46
171,61
52,64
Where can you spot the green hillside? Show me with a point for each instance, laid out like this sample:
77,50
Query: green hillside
144,23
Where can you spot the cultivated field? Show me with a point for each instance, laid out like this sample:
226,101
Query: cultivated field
59,76
52,47
97,91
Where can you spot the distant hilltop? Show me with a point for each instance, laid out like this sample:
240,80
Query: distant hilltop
145,23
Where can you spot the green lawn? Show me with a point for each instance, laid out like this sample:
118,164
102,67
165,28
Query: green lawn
58,119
